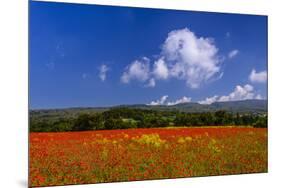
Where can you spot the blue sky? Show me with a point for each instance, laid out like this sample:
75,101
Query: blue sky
89,55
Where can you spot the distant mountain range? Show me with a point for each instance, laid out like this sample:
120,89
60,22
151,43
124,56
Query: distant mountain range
244,106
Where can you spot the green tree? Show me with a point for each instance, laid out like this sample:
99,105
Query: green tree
82,123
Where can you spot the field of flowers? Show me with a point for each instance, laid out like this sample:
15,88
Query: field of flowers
141,154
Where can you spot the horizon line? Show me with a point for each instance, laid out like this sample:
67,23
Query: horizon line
111,106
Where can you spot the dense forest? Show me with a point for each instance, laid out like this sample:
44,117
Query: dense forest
124,118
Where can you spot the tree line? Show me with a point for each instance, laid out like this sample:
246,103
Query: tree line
125,118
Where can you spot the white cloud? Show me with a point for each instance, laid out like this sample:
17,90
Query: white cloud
191,58
161,101
151,83
184,56
239,93
103,69
179,101
160,69
233,53
258,77
209,100
138,70
259,97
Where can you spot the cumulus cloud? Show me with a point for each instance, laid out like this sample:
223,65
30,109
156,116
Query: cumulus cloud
191,58
151,83
160,69
103,69
163,101
184,56
179,101
138,70
259,97
209,100
233,53
258,77
239,93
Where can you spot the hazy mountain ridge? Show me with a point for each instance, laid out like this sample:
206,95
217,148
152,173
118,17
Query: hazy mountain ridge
245,106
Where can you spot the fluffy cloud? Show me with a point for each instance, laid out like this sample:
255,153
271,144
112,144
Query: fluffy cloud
184,56
232,54
103,69
191,58
163,101
151,83
258,77
138,70
179,101
239,93
209,100
259,97
160,69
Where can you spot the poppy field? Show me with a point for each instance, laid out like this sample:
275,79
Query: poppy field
141,154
